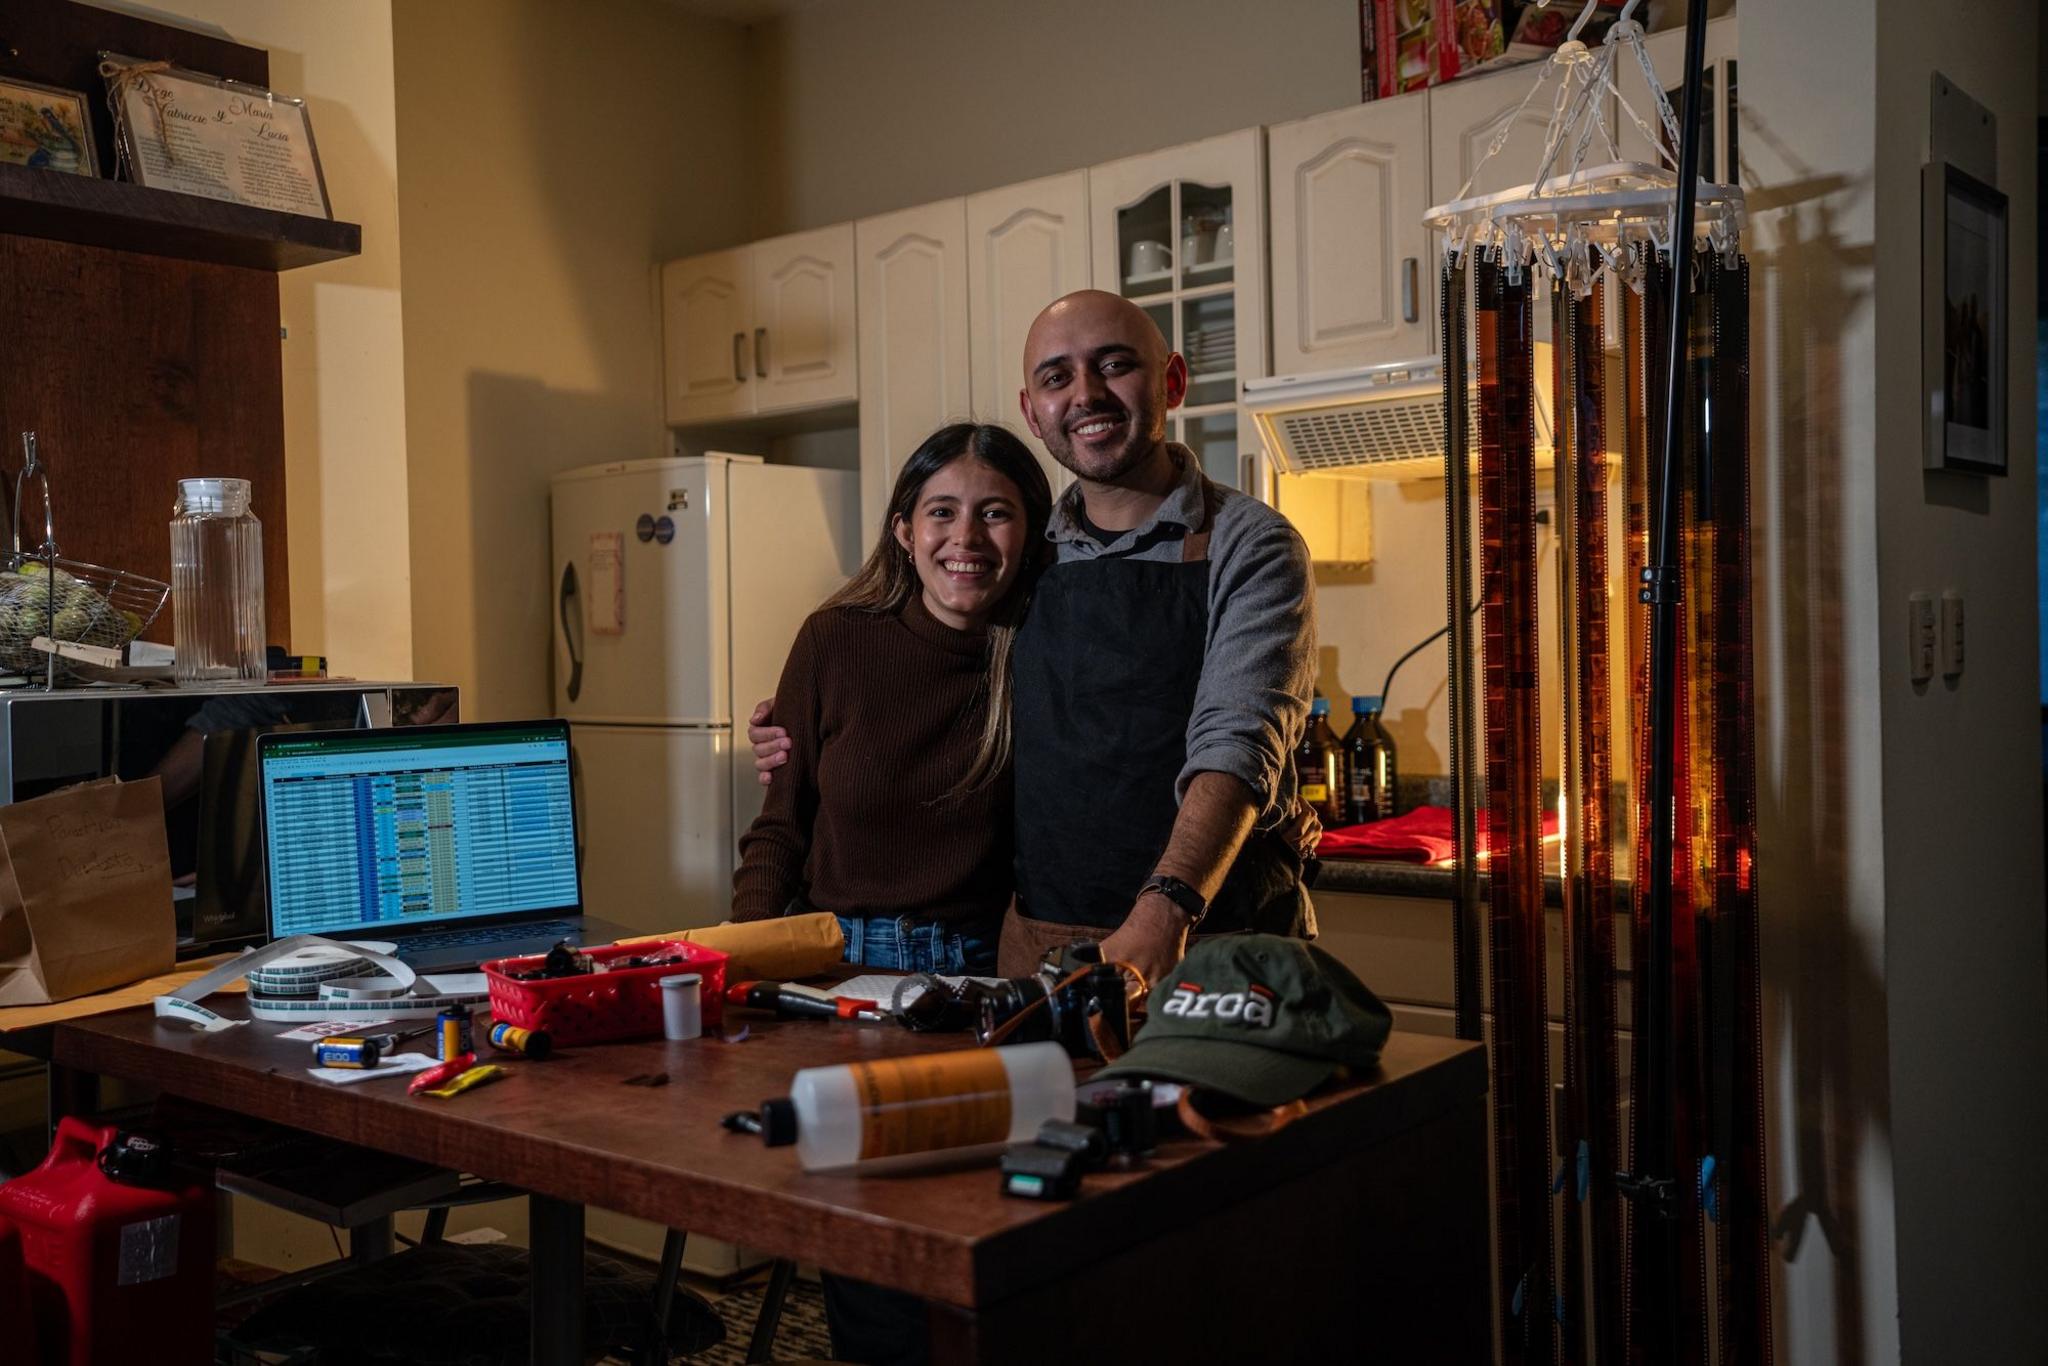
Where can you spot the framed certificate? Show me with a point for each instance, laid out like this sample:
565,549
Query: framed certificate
46,128
198,134
1963,259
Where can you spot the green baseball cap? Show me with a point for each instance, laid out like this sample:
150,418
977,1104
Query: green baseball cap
1261,1018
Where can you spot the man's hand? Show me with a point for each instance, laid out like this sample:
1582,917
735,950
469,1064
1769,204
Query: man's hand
1302,830
770,742
1153,938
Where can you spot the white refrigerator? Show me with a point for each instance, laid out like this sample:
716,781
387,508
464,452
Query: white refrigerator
679,586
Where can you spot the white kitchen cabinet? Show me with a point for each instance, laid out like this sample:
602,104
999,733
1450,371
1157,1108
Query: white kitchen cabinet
804,329
1465,116
1026,246
764,328
1720,150
912,278
1354,279
1181,233
706,314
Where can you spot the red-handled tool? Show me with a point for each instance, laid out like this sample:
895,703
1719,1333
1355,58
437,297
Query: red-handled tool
800,1005
435,1076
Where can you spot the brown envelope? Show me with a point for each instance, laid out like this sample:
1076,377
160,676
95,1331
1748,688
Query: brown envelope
85,891
779,949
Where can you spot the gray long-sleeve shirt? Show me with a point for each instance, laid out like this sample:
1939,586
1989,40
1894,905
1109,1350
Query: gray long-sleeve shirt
1258,664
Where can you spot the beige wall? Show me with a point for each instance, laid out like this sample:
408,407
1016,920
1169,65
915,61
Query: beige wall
1964,943
861,106
1901,822
553,155
344,376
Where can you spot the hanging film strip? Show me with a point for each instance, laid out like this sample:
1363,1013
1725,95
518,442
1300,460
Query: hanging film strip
1505,350
1588,1126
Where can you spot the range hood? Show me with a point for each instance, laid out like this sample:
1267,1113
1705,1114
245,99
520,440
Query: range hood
1378,422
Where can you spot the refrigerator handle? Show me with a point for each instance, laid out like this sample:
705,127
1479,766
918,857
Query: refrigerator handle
570,634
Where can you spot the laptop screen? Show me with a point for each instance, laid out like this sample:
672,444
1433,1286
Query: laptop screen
396,829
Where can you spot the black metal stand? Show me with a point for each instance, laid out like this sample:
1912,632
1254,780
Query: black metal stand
1656,1179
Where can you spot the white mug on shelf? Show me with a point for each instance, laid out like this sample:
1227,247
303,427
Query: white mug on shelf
1194,249
1226,244
1149,258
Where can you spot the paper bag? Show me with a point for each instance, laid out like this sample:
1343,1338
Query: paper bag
85,891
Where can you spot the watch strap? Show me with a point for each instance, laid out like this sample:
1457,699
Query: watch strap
1191,902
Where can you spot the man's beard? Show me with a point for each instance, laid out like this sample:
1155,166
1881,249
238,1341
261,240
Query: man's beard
1106,467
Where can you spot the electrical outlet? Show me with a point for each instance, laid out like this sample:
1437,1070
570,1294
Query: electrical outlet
1921,635
1952,633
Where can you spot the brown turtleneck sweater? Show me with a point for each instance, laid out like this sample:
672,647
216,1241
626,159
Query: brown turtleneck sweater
884,714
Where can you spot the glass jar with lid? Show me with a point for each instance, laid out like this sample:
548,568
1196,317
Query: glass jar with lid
217,622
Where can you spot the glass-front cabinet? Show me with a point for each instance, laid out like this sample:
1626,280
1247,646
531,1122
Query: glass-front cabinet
1181,233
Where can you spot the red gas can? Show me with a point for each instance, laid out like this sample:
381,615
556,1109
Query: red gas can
118,1272
16,1324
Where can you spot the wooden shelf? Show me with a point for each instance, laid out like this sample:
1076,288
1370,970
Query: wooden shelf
111,213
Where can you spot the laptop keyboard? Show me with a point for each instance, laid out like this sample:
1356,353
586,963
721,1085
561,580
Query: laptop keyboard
547,931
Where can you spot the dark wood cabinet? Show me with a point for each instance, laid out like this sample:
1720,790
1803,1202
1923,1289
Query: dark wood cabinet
139,328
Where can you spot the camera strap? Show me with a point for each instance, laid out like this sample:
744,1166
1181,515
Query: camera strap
1235,1128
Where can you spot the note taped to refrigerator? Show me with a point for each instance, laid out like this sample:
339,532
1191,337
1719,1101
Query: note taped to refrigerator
608,583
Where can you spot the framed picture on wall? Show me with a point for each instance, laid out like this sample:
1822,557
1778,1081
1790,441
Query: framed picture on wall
1964,317
46,128
198,134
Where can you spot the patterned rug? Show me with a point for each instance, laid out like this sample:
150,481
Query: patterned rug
800,1336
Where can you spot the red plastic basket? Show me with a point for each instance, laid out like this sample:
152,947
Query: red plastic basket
601,1007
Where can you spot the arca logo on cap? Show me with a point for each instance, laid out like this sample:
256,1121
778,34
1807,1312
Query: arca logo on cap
1252,1007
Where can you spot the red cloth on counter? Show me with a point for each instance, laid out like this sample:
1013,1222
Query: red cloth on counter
1424,835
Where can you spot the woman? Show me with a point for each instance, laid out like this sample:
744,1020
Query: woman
894,810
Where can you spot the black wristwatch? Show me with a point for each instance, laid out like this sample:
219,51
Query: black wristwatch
1180,894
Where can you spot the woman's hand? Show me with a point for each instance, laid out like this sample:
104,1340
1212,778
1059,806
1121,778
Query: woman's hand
770,741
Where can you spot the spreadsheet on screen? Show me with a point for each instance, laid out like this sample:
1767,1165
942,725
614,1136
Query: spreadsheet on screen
376,827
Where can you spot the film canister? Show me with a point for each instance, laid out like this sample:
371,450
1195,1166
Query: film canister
682,1006
358,1053
532,1043
452,1036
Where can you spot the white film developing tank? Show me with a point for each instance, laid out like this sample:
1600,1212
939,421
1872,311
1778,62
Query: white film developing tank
217,620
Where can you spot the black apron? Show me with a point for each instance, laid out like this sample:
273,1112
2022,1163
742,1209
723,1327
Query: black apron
1106,665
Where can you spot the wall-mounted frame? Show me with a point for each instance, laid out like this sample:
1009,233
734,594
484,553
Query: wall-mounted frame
47,128
198,134
1964,321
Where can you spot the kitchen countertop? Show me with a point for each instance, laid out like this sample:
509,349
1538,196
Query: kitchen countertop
1381,877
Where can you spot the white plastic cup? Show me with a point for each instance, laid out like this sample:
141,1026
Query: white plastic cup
682,1006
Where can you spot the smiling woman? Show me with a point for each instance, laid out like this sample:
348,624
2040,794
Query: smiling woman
894,810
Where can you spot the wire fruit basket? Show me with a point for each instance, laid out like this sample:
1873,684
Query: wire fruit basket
44,594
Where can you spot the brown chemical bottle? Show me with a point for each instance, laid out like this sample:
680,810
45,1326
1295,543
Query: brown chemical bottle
1319,767
1369,761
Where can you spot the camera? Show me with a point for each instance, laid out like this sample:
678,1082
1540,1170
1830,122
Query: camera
1075,999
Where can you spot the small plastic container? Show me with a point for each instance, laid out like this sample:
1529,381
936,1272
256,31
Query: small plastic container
894,1107
682,1007
217,618
599,1007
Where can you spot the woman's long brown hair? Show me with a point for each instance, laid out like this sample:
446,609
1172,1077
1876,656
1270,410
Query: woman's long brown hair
885,583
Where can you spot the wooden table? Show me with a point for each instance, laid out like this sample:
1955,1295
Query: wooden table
1358,1232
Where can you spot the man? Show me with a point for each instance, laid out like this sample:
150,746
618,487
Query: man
1163,673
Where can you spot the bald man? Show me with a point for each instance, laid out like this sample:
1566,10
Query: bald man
1163,672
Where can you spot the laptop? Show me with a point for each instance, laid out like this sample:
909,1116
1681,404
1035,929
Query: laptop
456,843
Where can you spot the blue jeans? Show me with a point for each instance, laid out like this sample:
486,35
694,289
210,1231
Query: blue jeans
904,943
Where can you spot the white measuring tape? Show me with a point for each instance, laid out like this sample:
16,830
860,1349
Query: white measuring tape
306,977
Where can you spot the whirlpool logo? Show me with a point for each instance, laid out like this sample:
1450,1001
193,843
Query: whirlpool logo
1252,1007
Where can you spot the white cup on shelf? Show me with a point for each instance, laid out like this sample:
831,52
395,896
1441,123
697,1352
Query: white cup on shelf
1149,258
1225,244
